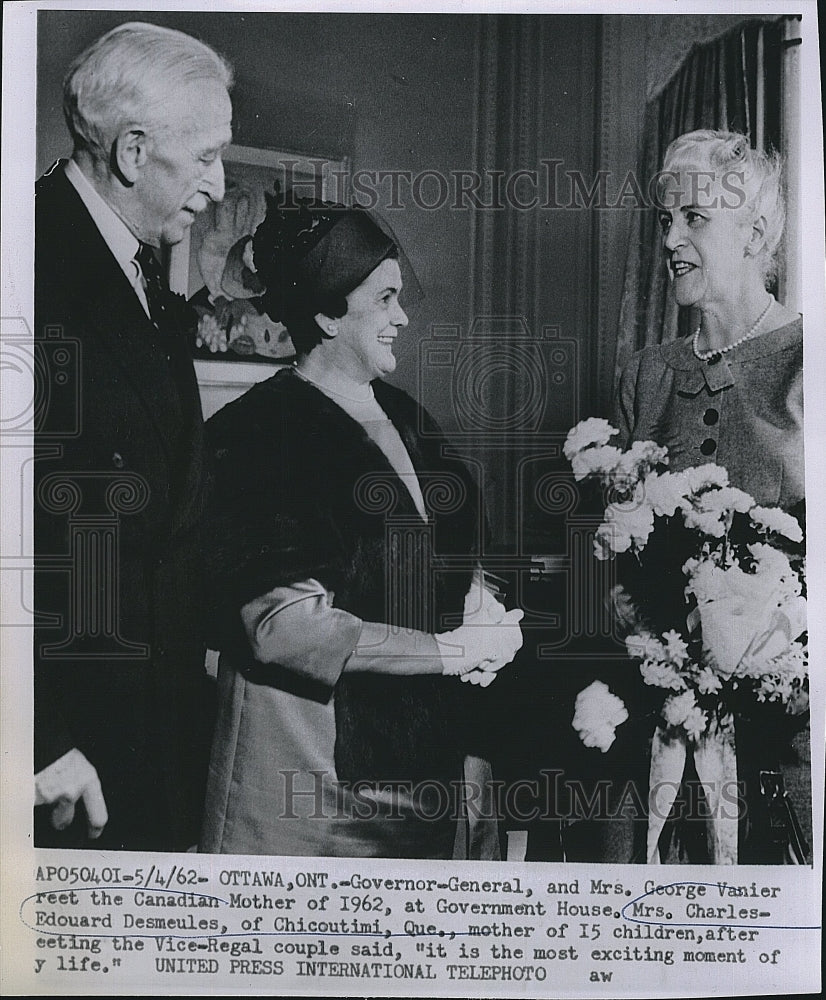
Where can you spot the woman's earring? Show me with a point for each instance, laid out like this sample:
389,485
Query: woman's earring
332,329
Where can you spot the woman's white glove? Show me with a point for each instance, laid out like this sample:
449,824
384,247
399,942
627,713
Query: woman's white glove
479,648
497,613
481,607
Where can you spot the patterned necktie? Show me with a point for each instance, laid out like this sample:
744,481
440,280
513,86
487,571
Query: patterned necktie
156,288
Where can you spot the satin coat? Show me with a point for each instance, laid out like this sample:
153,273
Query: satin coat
302,492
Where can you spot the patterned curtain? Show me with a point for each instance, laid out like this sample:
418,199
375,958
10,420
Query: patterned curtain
731,83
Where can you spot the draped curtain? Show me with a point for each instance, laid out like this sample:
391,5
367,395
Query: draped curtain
731,83
517,376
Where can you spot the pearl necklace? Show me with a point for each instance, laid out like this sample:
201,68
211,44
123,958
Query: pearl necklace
333,392
719,351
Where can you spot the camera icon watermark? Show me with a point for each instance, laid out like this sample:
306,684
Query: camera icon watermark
509,390
42,390
40,404
504,379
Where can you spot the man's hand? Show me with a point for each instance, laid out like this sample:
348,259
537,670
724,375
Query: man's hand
61,784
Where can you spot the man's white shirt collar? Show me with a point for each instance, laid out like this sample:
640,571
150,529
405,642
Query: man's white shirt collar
113,229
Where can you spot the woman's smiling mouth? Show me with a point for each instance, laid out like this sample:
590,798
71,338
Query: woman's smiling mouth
681,267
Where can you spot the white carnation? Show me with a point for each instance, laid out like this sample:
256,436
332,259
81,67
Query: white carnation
772,564
703,477
662,675
593,431
597,714
595,461
643,646
600,737
776,520
609,539
678,707
706,581
705,522
708,682
695,723
726,500
676,647
712,510
640,458
635,519
666,492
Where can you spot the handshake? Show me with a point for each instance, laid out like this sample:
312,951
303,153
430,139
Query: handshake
488,638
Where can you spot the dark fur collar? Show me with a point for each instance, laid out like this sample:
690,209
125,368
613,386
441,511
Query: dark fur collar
286,439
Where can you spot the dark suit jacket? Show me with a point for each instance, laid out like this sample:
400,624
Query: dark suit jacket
120,486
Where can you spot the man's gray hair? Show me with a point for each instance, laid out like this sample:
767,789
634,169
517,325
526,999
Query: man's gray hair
125,78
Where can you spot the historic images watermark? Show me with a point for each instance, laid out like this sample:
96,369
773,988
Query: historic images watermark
549,186
322,796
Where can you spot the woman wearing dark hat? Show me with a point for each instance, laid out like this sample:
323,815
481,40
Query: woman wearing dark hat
346,561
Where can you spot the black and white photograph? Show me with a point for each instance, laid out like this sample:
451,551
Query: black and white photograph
410,533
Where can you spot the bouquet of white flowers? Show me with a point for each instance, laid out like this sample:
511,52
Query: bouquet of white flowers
740,639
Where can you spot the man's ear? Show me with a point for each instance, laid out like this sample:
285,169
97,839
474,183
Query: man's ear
328,326
130,153
757,237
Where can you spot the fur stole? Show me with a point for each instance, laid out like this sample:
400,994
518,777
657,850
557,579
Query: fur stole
302,491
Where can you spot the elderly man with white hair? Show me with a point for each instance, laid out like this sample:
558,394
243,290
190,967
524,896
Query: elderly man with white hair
122,718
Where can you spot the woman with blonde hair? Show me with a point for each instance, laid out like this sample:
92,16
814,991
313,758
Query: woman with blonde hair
731,394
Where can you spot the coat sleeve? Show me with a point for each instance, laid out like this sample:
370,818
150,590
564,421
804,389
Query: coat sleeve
625,400
298,628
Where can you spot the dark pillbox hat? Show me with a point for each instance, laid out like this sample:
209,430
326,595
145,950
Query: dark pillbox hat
308,252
